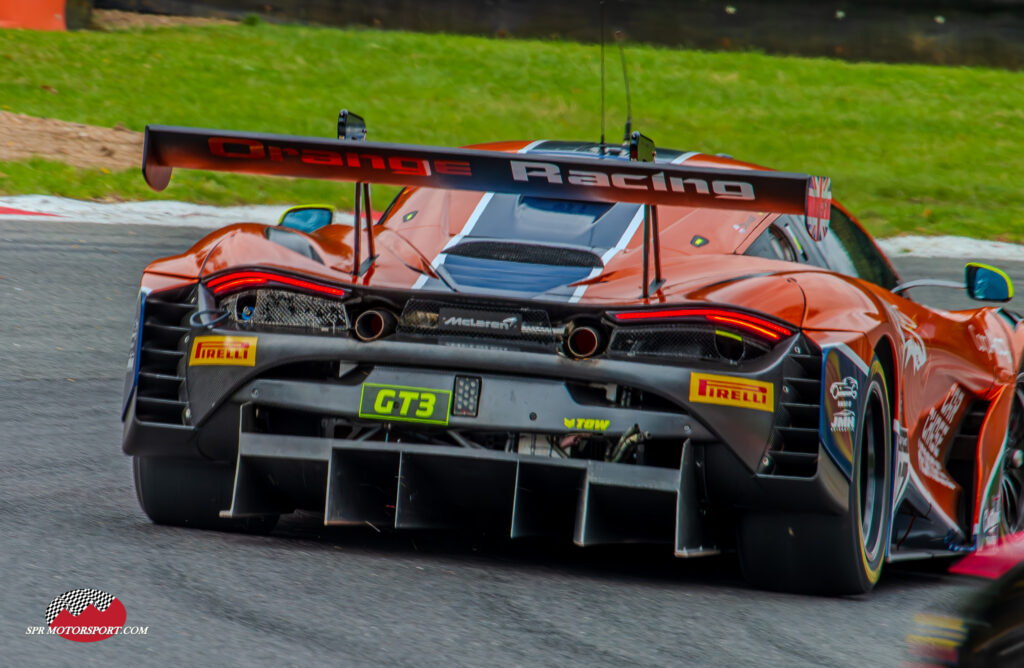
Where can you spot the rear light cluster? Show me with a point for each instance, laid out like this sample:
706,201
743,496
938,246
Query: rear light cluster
710,334
242,280
750,324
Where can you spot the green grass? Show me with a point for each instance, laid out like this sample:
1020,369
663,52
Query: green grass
910,148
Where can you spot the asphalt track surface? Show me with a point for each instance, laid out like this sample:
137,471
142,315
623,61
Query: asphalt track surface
307,594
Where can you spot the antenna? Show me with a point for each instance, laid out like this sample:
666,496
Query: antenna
625,77
602,74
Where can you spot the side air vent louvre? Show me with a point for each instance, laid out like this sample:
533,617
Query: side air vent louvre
794,446
961,459
162,355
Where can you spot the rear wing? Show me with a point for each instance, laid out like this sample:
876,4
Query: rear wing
537,175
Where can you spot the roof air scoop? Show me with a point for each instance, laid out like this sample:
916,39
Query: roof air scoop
506,251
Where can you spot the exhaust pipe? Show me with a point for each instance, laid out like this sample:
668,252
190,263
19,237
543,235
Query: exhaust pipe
584,342
373,324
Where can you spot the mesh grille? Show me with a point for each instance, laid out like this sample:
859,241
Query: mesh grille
280,308
526,253
682,342
160,394
477,320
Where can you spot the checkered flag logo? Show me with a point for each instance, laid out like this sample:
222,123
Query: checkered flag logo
76,601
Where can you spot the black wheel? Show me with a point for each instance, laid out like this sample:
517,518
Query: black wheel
832,554
191,493
1011,485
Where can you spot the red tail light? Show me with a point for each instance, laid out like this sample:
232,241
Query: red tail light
238,280
750,323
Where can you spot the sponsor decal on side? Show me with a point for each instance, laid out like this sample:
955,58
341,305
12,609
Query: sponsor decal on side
843,420
223,351
901,438
844,393
988,532
844,390
843,374
935,432
995,346
914,352
586,424
707,388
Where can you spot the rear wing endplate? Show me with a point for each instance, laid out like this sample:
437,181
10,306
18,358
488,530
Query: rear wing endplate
537,175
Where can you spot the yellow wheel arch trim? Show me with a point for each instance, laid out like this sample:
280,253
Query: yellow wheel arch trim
874,573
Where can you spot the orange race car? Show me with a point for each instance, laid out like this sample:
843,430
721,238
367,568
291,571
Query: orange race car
574,339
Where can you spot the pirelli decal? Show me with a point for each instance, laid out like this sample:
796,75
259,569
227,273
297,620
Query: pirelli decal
223,351
707,388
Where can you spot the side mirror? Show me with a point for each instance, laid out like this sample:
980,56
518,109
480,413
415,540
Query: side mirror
308,217
987,283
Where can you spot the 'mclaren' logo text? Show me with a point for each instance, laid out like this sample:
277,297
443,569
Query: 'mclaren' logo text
502,325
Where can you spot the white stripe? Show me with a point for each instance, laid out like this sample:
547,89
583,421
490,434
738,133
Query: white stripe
470,224
466,229
610,253
684,157
624,240
532,145
854,357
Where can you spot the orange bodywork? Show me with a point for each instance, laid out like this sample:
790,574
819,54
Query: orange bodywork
940,364
33,15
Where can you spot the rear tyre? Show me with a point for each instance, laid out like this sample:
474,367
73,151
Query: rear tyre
191,493
830,554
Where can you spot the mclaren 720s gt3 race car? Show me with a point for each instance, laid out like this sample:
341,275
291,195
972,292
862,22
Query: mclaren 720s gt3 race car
608,343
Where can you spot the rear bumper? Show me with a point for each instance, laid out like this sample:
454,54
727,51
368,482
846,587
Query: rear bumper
516,386
400,480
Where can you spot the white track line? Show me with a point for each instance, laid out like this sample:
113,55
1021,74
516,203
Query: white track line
184,214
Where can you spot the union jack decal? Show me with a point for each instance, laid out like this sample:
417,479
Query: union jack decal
819,204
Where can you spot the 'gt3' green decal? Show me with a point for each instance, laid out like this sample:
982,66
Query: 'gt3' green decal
407,404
